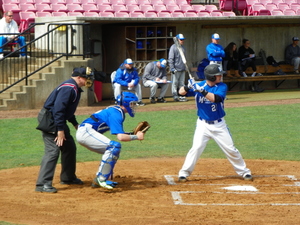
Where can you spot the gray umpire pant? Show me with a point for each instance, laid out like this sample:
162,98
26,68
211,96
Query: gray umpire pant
51,155
178,80
153,88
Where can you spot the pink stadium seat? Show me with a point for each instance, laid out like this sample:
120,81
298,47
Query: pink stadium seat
121,14
264,12
11,7
265,2
156,2
133,8
119,8
174,8
289,12
283,6
271,6
187,8
190,14
43,8
160,8
150,14
255,8
116,2
91,14
59,14
276,12
69,2
182,2
26,1
147,8
130,2
211,7
75,8
75,14
58,2
143,2
198,8
298,12
277,1
10,1
49,2
106,14
163,14
102,2
230,14
137,14
289,2
203,13
169,2
216,13
26,19
43,14
249,5
105,8
59,8
90,8
295,6
27,8
88,2
177,14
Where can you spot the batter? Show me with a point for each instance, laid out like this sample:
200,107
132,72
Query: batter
210,95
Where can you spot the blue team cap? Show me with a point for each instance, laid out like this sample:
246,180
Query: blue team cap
163,62
215,36
128,61
180,36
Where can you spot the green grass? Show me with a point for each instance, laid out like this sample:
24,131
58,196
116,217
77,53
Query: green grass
260,132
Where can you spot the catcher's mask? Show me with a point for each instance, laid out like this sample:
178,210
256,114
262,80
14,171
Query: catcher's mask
211,71
128,100
85,72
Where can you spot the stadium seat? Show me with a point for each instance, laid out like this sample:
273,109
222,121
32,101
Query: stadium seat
130,2
289,12
143,2
203,13
147,8
106,14
163,14
277,12
169,2
133,8
43,8
198,8
230,14
137,14
216,13
75,14
227,5
26,2
10,2
116,2
289,2
295,6
59,14
88,2
177,14
48,2
211,7
255,8
190,14
150,14
69,2
249,5
283,6
265,2
271,6
26,19
91,14
102,2
173,8
187,8
277,1
264,12
241,6
58,2
182,2
90,8
298,12
11,7
119,8
121,14
105,8
59,8
75,8
160,8
27,7
156,2
43,14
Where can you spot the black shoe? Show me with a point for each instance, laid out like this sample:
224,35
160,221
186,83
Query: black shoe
176,99
140,103
161,100
75,181
248,177
182,179
152,100
46,188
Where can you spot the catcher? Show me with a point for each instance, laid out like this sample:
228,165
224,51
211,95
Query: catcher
90,135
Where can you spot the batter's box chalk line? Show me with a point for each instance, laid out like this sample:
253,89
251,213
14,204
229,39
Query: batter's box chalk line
234,189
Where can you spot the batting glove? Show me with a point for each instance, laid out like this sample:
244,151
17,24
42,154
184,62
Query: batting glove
173,71
198,88
191,83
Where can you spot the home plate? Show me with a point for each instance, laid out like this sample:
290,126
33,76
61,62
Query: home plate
240,188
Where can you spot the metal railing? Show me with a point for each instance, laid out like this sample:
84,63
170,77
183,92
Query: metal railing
45,45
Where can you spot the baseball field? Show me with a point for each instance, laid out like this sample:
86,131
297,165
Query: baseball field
265,128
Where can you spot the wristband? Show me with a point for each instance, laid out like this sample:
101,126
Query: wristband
204,93
133,137
186,88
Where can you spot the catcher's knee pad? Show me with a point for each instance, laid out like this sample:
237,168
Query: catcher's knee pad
109,159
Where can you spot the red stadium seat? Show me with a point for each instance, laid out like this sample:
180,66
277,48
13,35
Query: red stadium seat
102,2
133,8
227,5
265,2
283,6
271,6
187,8
264,12
255,8
10,2
49,2
147,8
117,2
69,2
156,2
160,8
26,2
130,2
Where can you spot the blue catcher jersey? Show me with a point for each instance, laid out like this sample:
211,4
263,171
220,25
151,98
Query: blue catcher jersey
111,118
208,110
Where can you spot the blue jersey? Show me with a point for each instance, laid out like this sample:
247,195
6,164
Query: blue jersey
215,52
208,110
111,118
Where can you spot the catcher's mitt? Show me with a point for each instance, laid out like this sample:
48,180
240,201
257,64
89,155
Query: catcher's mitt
142,126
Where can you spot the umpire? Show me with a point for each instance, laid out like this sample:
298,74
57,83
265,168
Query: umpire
62,104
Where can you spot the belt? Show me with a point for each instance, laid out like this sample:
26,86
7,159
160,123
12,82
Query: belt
85,124
211,121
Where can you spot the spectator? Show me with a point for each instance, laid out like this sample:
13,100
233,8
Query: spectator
62,104
231,61
247,58
215,52
91,130
292,54
127,78
155,75
177,68
9,26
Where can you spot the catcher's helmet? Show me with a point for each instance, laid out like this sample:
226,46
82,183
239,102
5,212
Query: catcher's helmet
211,71
128,100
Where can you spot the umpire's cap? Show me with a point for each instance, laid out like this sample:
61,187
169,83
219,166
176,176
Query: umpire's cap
85,72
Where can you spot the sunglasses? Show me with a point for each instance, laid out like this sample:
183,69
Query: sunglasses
10,15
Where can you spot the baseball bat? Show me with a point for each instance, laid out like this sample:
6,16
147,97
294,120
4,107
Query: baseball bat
182,56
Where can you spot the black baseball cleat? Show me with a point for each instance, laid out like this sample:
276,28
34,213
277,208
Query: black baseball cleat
182,179
75,181
248,177
46,189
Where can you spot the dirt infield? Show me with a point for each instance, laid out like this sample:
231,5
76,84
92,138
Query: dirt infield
148,192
